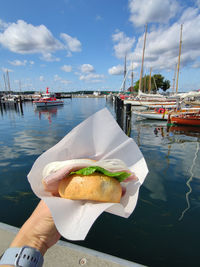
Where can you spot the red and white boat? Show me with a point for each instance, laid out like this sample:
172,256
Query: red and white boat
48,100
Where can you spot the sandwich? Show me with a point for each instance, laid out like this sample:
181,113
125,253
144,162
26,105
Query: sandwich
86,179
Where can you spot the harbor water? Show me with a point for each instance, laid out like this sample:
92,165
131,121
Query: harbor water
162,231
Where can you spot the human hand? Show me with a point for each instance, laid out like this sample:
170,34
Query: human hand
38,231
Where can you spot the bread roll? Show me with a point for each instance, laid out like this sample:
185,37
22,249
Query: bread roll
95,187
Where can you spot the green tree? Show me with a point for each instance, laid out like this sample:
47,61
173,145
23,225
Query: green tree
166,85
157,82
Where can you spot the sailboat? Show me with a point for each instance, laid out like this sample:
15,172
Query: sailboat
8,98
142,98
165,105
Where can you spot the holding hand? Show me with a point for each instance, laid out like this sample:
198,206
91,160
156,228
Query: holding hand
38,231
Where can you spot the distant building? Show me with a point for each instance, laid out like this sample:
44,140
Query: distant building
96,93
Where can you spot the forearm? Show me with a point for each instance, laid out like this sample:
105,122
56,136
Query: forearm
27,236
38,232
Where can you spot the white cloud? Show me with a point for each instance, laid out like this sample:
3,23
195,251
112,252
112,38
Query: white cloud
65,81
156,11
119,69
24,38
92,77
6,70
116,70
188,15
88,74
123,45
57,78
3,25
98,17
18,62
87,68
162,44
66,68
198,3
41,78
72,44
196,65
49,57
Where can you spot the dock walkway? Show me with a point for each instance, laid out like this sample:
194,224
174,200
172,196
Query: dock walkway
65,254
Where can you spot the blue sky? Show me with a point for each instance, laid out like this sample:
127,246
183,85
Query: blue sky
72,45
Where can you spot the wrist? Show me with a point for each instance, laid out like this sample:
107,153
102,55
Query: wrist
22,256
32,242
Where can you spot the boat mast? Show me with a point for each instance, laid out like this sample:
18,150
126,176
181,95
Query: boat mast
141,72
150,81
5,84
124,84
8,81
174,79
145,84
132,76
20,87
179,59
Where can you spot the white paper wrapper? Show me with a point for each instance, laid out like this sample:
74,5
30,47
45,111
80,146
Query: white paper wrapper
98,137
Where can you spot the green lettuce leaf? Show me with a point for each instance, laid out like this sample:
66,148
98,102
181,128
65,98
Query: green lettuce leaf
120,176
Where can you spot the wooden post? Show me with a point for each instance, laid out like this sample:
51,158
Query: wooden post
120,112
1,107
128,119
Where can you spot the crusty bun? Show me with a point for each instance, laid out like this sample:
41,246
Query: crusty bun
95,187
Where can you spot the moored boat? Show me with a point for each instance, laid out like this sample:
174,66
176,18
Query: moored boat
164,113
152,115
48,100
160,105
186,119
9,99
149,102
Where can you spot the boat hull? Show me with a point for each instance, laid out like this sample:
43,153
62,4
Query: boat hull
187,119
152,116
48,103
192,121
151,104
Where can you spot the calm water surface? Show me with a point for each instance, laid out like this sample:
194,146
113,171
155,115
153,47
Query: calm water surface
164,228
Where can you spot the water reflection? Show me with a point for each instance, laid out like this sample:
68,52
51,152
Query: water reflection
47,112
188,183
171,155
17,197
11,108
193,131
159,130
